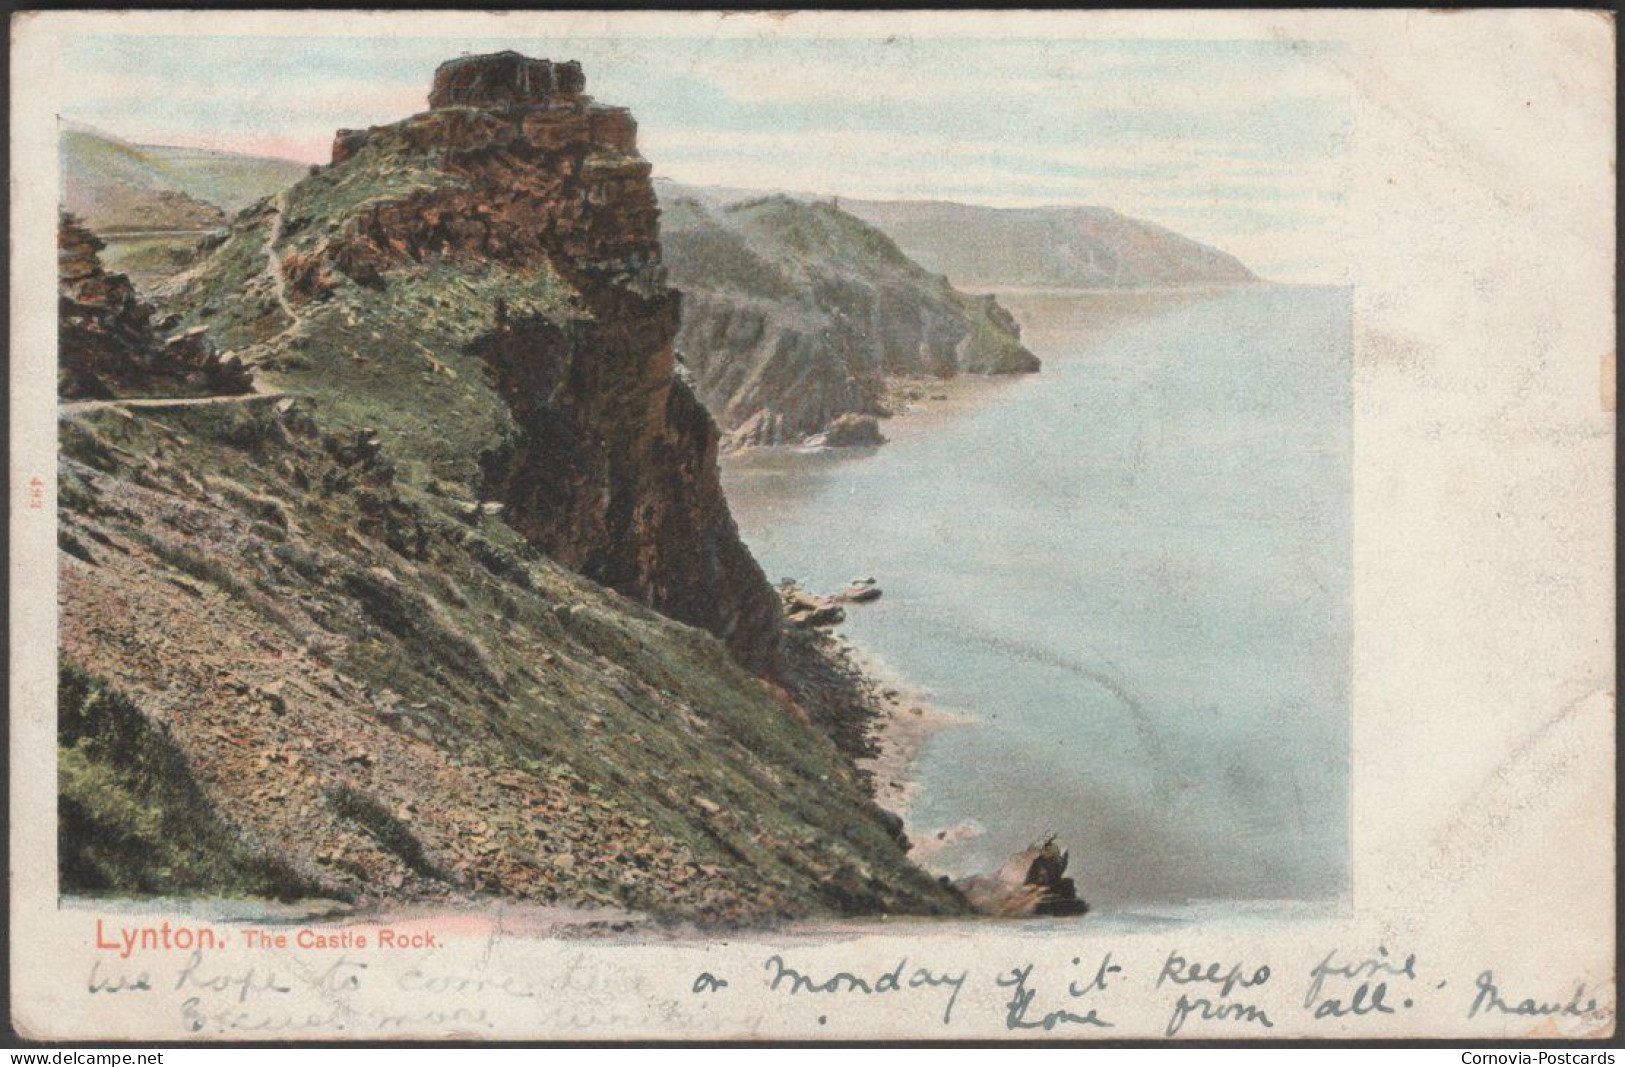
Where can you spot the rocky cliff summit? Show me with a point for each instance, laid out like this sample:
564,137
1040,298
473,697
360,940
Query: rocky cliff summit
504,79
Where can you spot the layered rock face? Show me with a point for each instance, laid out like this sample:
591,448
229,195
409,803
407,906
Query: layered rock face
551,177
505,78
339,643
797,315
614,472
109,344
513,227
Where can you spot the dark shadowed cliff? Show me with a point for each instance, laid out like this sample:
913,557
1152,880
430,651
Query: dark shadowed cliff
111,344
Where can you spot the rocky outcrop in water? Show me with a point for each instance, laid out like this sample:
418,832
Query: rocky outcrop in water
1033,882
809,611
850,431
109,343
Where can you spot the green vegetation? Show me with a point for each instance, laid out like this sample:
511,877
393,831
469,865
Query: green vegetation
708,249
821,233
230,287
399,360
132,818
226,179
393,357
836,253
149,260
385,828
118,186
799,312
505,661
377,675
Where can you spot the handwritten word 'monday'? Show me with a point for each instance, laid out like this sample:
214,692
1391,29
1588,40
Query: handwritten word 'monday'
782,975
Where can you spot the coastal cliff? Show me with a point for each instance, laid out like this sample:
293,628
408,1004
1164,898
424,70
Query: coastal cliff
487,274
798,318
454,605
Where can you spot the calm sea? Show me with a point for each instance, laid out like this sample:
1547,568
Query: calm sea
1130,573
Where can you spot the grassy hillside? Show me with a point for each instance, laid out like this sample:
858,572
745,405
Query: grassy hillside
225,179
1059,247
1044,247
118,186
394,358
376,687
323,605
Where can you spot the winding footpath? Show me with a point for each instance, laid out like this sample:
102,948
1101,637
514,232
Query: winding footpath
273,259
79,407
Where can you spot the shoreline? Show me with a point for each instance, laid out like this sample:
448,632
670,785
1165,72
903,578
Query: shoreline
902,725
899,726
903,719
916,402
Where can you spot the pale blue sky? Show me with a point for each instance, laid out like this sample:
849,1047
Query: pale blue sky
1240,143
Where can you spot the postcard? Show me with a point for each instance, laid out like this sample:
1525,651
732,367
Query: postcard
812,526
